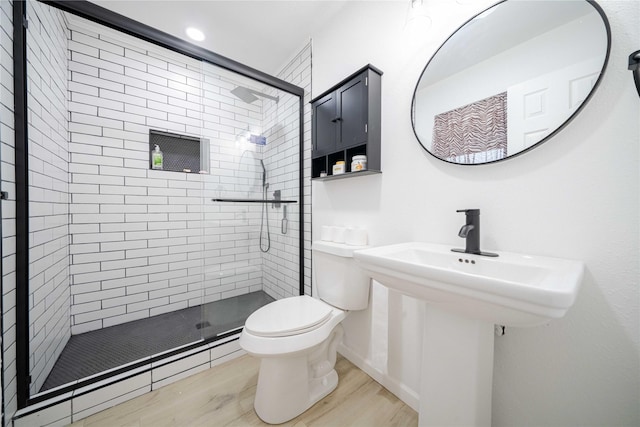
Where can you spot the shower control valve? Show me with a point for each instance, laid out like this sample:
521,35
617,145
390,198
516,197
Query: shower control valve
276,196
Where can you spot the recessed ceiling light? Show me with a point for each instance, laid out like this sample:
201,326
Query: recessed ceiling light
195,34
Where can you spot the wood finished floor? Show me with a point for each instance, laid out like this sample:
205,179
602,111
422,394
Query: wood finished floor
223,396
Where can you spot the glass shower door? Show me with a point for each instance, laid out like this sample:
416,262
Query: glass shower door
251,243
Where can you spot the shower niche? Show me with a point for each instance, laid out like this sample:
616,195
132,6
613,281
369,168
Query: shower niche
139,263
181,153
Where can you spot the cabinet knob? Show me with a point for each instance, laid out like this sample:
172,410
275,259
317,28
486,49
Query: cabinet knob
337,119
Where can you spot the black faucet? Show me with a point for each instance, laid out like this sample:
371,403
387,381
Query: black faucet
471,232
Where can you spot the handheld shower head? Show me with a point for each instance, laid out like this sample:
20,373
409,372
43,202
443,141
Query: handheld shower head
264,173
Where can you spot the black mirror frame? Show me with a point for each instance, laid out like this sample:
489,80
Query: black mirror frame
634,66
600,11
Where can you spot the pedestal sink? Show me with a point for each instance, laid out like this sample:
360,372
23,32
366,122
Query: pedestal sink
466,295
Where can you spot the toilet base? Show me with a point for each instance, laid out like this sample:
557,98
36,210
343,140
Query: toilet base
288,386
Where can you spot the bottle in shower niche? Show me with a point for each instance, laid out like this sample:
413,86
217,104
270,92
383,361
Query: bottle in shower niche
156,158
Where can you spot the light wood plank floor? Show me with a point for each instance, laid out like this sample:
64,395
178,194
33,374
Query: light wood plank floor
223,396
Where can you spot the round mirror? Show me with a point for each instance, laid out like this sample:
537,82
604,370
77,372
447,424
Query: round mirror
509,79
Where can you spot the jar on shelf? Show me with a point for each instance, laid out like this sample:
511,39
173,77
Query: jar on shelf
358,163
339,167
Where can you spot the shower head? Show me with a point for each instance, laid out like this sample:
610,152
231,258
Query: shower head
244,94
249,95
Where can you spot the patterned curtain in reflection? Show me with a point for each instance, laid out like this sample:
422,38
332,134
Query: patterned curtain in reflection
473,133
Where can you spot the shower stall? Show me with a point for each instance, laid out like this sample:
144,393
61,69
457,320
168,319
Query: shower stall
130,261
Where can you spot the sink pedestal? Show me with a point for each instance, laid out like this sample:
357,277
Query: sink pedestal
465,295
457,370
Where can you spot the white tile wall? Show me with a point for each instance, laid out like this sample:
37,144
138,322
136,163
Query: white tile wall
49,294
7,175
55,415
118,264
281,266
90,403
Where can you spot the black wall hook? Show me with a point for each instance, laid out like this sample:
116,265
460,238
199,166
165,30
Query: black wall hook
634,66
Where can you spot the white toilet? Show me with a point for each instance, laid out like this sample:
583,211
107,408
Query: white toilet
296,338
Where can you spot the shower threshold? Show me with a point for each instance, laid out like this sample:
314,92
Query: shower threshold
97,351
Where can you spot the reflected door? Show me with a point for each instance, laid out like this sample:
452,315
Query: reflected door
535,105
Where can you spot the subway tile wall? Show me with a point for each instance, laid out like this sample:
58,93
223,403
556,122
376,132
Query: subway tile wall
7,175
281,264
232,258
49,295
298,72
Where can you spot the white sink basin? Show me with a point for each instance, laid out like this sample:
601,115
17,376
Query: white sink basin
511,290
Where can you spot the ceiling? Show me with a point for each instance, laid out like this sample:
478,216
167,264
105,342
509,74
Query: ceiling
261,34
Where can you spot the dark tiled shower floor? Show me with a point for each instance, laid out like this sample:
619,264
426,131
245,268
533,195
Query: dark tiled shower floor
96,351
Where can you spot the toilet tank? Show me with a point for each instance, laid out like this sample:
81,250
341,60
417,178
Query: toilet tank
339,280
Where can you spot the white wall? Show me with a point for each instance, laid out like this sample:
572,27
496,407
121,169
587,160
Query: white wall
576,196
49,296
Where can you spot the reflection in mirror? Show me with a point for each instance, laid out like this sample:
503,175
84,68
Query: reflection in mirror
509,79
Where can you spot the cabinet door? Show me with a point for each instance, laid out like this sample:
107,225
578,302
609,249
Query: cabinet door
352,111
324,125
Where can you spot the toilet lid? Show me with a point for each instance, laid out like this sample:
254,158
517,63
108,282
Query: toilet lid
288,316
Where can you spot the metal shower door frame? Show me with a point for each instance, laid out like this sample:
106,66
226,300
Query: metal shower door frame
100,15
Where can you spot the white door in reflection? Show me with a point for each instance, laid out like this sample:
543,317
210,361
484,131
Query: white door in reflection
536,105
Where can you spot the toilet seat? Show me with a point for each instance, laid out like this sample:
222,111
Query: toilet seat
288,316
309,330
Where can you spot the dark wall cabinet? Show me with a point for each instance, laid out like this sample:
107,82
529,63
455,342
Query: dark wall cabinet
346,123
